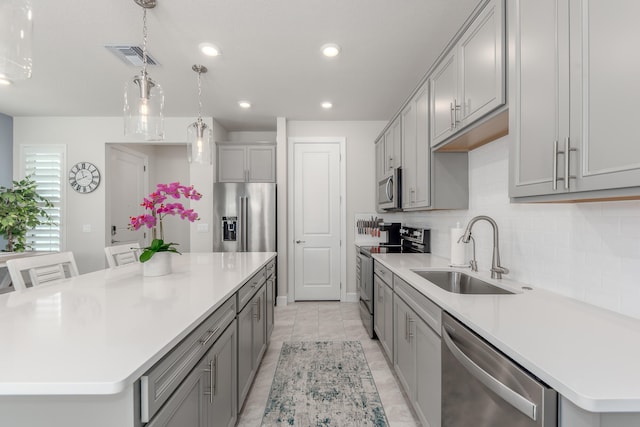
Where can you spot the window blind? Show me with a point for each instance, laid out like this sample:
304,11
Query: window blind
45,164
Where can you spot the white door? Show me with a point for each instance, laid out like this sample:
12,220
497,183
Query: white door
126,187
317,221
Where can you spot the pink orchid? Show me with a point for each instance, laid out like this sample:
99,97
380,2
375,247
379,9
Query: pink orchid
155,203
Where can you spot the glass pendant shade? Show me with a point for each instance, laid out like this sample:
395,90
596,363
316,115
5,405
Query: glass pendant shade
143,106
200,141
16,35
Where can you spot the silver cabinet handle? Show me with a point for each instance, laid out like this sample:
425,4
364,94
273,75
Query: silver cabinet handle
410,322
451,112
215,375
211,335
555,165
301,241
406,326
390,162
523,405
567,157
211,375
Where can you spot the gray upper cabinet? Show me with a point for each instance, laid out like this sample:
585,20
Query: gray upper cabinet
571,112
392,147
380,159
416,164
469,82
246,163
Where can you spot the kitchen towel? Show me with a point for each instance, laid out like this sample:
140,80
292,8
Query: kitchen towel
457,248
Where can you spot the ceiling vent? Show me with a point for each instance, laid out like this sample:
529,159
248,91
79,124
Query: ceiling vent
131,55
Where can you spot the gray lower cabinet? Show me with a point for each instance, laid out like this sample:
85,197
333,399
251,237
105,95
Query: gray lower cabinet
270,298
417,359
251,342
207,397
383,314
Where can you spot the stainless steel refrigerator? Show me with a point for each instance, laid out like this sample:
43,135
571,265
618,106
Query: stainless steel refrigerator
244,217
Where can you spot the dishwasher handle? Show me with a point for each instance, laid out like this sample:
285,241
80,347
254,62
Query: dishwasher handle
513,398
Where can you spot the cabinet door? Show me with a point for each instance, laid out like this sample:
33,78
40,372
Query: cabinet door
378,308
443,96
259,343
222,384
481,64
231,164
380,160
387,344
396,147
187,406
404,347
270,303
538,95
245,352
261,162
604,88
428,377
409,150
422,192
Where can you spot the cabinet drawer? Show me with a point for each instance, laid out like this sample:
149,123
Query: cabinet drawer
250,288
271,268
383,272
430,312
157,385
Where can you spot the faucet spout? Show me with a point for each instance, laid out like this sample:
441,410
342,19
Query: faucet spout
496,269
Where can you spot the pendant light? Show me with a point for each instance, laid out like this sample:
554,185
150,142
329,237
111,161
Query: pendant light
198,133
143,97
16,34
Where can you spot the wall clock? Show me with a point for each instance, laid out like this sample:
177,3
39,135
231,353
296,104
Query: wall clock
84,177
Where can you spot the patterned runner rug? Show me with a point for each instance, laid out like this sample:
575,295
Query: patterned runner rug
326,383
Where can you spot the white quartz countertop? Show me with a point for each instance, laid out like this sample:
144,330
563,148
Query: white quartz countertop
589,355
98,332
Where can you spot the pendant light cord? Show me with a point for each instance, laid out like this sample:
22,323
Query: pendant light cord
199,96
144,41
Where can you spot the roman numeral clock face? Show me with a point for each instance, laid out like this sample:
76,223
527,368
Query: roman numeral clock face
84,177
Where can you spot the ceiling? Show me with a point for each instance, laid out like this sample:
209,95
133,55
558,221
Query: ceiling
270,56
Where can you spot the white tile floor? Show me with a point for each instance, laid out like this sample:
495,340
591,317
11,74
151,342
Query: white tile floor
313,321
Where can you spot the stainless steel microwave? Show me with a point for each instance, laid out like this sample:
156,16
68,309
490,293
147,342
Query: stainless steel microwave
390,191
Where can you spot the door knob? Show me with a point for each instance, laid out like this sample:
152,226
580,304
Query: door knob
300,241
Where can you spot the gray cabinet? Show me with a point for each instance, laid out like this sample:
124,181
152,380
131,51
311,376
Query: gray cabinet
469,82
430,180
188,404
417,359
380,159
270,298
207,396
570,110
221,368
383,308
392,146
251,342
246,163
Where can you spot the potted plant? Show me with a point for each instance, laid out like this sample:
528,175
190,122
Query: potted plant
158,207
21,209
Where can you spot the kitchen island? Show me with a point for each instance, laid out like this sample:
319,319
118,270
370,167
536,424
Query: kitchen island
589,355
73,351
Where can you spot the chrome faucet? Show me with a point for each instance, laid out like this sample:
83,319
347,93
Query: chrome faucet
496,269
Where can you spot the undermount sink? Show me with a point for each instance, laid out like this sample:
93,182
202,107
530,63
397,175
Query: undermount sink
460,283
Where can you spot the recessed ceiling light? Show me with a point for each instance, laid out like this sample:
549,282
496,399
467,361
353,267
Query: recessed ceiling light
209,49
4,81
327,105
244,104
330,50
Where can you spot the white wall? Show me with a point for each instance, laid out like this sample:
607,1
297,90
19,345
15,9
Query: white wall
85,139
360,162
588,251
251,136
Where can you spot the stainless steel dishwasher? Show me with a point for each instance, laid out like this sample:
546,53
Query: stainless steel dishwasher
482,387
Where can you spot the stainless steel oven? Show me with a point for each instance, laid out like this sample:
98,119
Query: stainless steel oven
481,387
390,191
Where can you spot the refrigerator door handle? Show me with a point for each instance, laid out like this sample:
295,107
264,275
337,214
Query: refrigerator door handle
244,214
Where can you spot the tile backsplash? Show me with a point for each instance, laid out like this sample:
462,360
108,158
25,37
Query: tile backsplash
588,251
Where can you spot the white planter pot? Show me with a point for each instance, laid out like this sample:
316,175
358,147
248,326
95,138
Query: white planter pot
158,265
